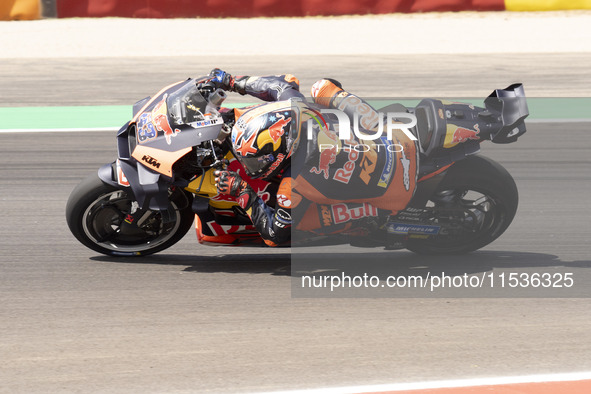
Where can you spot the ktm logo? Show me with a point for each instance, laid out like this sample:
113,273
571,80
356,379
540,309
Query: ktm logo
326,217
151,161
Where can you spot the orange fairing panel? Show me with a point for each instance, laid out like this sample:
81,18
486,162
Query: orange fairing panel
158,160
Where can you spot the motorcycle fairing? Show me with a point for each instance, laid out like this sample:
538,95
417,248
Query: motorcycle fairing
176,118
158,160
444,125
148,162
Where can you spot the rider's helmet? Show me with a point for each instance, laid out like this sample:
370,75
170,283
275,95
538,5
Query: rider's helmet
264,138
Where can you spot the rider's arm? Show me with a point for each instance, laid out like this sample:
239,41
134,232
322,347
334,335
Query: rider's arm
269,88
274,225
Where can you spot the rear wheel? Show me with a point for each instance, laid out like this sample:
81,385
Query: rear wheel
473,205
96,214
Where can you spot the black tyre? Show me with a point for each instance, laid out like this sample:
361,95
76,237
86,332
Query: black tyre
474,204
95,213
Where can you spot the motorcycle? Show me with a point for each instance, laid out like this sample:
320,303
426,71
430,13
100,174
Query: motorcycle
162,181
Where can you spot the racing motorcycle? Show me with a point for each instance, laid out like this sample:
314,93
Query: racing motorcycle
162,181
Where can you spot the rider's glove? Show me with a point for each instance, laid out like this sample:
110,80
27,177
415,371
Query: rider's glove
231,184
221,79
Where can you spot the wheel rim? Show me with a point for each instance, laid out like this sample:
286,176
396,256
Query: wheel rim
465,216
103,220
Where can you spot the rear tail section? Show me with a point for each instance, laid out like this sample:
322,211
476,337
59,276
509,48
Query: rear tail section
506,109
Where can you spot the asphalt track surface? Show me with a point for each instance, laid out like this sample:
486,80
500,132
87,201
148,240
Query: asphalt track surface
202,319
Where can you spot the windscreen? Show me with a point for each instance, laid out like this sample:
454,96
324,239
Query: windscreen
188,106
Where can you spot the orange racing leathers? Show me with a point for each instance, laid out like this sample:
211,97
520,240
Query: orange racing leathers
331,184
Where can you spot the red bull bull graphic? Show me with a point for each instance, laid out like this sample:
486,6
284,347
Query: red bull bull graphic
456,135
276,130
329,145
160,120
327,157
150,123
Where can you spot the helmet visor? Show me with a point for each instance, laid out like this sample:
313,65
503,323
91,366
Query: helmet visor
257,166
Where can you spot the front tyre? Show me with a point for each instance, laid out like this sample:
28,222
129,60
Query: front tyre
96,211
473,205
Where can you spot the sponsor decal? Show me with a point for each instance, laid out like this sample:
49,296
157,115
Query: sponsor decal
406,170
276,164
405,228
462,135
151,161
328,152
149,123
279,224
456,134
389,167
207,122
368,165
327,157
283,216
343,175
129,219
121,178
145,129
283,201
160,120
276,130
343,213
325,215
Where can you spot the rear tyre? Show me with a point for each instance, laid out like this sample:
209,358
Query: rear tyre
96,211
474,204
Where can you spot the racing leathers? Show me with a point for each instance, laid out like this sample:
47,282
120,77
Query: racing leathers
273,224
332,184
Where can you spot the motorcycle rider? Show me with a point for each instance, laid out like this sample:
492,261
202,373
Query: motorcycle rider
268,140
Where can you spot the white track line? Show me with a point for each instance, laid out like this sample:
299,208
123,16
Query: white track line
562,377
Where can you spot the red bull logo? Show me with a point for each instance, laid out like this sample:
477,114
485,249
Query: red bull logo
327,157
328,153
462,135
160,121
343,213
276,130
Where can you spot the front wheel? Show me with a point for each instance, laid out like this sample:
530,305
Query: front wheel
473,205
95,213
